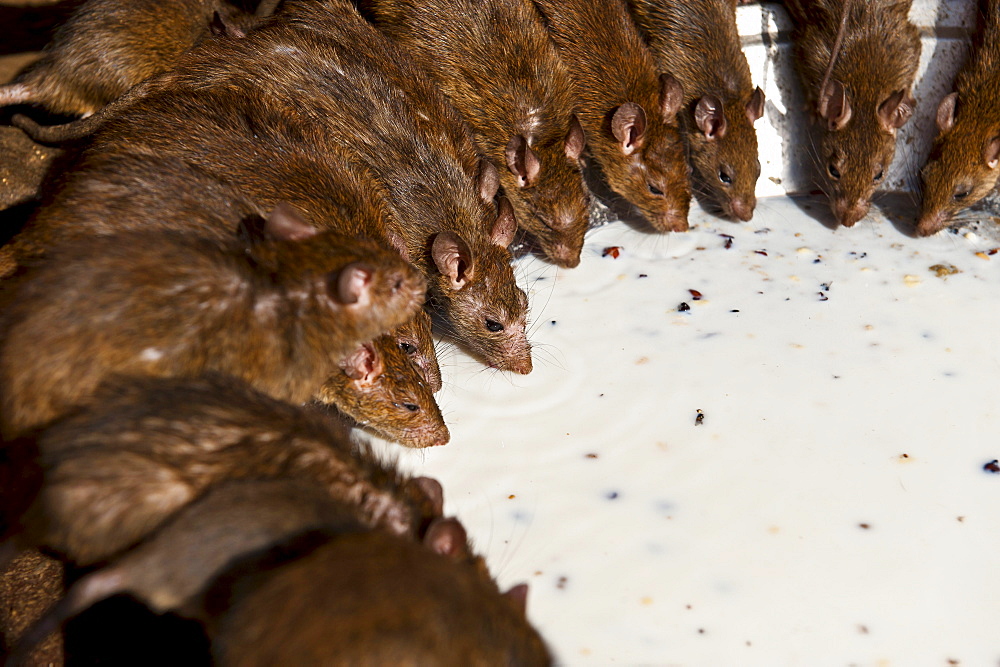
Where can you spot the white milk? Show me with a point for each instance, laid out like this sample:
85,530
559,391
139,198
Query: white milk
857,390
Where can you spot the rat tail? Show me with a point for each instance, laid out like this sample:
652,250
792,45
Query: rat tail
15,93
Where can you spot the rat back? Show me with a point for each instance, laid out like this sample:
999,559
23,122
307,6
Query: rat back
496,64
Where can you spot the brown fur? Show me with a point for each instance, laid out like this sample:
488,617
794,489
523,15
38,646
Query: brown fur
875,67
699,44
612,69
376,389
168,571
399,125
162,303
962,167
496,64
225,138
373,599
108,46
146,447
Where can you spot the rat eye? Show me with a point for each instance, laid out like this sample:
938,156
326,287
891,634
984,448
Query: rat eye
725,177
959,196
408,348
655,190
879,175
409,406
833,171
494,326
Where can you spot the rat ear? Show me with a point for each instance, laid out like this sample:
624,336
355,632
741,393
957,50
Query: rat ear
453,259
431,491
446,537
945,118
487,180
219,27
710,117
522,161
352,284
363,365
397,242
895,111
629,125
576,139
519,596
755,107
671,96
991,152
505,226
833,106
285,224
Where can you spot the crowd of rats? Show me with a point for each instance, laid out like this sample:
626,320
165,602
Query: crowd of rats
261,214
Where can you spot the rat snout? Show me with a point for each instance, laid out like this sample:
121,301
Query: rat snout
849,213
742,209
672,221
564,256
932,223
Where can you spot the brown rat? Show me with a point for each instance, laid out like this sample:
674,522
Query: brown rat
280,313
700,45
375,388
217,145
628,112
496,64
373,598
866,97
962,167
143,448
168,571
418,146
108,46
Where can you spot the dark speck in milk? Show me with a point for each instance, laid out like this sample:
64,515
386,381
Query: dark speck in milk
993,467
683,307
561,583
611,495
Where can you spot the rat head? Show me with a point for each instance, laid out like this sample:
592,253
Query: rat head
475,285
349,283
547,192
723,147
415,340
857,146
650,168
962,168
381,390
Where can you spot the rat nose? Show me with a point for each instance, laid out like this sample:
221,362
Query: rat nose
742,209
848,214
932,223
564,256
674,221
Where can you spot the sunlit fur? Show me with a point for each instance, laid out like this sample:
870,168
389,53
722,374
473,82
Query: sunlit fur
698,42
878,57
108,46
610,65
167,303
957,165
395,403
496,64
